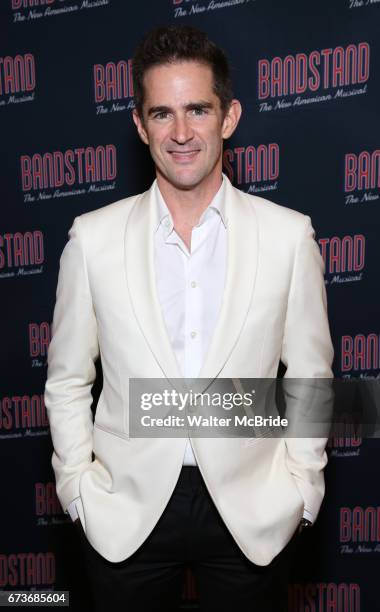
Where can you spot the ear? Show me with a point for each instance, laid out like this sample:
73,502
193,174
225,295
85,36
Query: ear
231,118
140,126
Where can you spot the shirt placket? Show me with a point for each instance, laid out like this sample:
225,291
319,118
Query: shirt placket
193,309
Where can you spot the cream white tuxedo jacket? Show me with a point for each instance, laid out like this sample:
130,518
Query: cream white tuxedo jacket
274,308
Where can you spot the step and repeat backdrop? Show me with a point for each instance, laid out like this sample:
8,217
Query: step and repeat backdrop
308,77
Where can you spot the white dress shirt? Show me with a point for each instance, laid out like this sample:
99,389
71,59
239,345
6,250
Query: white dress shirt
190,283
190,286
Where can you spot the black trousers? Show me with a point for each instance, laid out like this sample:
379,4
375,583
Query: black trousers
190,533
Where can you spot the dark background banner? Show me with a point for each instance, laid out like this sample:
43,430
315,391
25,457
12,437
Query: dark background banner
307,75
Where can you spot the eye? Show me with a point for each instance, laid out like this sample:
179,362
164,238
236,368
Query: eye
199,111
161,115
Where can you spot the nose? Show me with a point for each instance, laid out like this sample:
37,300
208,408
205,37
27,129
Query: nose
182,130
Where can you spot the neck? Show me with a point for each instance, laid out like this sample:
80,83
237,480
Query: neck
187,205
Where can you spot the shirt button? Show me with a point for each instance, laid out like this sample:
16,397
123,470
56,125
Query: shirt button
193,334
193,284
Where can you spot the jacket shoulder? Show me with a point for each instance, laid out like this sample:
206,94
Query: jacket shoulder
108,214
279,223
270,211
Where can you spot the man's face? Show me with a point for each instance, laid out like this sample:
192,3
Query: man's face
183,123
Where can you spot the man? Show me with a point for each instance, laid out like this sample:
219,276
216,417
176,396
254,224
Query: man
195,279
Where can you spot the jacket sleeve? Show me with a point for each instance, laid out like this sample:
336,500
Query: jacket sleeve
307,353
71,370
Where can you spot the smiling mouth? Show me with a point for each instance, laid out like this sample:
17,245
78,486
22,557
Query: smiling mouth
183,156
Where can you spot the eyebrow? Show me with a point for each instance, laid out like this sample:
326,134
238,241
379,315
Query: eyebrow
189,106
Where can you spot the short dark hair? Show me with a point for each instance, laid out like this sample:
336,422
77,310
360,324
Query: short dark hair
170,44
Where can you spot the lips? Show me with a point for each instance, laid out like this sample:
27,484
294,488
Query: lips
184,156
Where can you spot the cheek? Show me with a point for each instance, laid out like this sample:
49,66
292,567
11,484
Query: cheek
155,144
214,144
213,137
159,140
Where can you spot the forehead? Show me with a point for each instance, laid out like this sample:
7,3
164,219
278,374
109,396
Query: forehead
168,83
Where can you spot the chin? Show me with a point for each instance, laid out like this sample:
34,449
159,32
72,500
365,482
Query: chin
183,181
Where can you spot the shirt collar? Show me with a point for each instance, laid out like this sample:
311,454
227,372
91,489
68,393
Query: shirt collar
217,205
